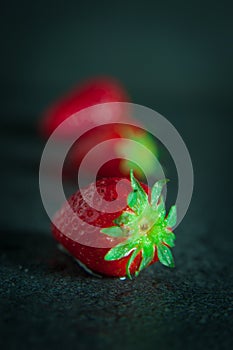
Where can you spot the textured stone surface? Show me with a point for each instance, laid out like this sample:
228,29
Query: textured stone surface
47,300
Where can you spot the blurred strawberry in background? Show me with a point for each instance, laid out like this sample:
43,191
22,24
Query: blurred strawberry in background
87,94
94,92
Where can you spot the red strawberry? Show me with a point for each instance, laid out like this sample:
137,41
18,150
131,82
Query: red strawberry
90,93
121,243
94,92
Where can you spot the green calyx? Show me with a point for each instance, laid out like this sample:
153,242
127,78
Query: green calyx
145,227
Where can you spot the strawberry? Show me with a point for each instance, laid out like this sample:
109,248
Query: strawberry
90,93
119,243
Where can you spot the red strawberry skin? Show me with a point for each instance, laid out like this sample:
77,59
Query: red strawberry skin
75,235
90,93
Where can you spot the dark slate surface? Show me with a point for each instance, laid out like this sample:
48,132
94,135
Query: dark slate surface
48,302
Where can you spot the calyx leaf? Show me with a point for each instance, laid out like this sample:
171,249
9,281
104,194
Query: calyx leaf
132,198
169,239
171,218
148,251
160,208
120,251
113,231
156,191
165,255
130,261
138,199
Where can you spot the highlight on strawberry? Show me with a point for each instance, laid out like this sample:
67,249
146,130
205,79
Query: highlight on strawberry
132,238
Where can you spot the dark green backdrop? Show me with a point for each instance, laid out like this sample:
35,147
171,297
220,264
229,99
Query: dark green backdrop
167,53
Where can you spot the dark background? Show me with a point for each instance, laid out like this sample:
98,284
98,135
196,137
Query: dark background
174,57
